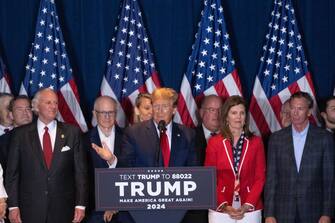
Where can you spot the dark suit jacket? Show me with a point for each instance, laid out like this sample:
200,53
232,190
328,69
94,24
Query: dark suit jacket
95,160
46,196
140,147
200,143
198,216
4,149
310,192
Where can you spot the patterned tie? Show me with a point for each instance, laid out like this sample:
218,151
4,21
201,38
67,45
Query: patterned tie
213,133
164,143
47,148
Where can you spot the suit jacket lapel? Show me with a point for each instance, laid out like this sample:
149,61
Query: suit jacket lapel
152,135
289,146
307,148
36,145
118,140
59,143
229,153
175,141
95,138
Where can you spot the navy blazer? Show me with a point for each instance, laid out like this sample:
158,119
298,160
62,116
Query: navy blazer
140,147
310,192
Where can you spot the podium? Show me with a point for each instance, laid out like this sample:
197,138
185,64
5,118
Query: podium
155,194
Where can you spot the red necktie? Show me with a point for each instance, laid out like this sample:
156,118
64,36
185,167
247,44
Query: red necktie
164,143
47,148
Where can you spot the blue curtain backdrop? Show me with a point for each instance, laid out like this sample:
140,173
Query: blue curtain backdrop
88,27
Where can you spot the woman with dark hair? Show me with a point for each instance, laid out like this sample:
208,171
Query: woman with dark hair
239,158
143,108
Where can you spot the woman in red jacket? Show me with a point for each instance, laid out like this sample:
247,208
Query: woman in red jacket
239,158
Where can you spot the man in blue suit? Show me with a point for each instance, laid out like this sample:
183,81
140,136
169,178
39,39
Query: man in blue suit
142,144
103,149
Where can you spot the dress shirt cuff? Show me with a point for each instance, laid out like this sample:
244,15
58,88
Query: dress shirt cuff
80,207
112,165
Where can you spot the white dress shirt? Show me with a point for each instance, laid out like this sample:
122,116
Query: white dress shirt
168,132
110,142
52,129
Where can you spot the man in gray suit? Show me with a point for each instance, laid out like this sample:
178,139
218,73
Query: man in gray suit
300,174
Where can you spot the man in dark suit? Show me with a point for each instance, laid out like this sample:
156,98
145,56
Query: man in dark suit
105,139
210,123
300,174
21,114
46,177
209,126
139,151
144,145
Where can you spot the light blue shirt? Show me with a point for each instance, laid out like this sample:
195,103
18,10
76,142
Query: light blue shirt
299,139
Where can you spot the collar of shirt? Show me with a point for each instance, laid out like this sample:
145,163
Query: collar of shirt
52,127
303,133
109,140
2,129
207,133
168,131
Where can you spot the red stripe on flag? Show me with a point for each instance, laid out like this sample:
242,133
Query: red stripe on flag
258,116
184,112
294,87
276,105
155,79
74,89
127,108
221,90
237,80
65,110
308,76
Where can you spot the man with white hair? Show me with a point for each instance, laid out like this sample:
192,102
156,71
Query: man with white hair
46,178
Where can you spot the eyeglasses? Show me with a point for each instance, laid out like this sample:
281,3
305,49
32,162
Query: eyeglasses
212,110
106,114
22,109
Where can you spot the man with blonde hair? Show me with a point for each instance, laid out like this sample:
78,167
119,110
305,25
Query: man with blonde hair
159,142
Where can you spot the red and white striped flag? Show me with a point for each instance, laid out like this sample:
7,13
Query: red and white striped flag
282,72
49,66
4,78
211,66
130,67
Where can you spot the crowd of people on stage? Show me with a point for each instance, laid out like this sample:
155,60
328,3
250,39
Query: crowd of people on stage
47,167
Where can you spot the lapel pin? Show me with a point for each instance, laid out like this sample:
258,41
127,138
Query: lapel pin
62,136
178,135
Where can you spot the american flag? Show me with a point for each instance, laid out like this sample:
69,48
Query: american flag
211,68
130,67
49,67
4,78
282,72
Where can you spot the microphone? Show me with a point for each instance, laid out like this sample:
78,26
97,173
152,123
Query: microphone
161,126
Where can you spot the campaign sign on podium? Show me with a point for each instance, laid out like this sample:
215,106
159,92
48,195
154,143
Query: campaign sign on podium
155,188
